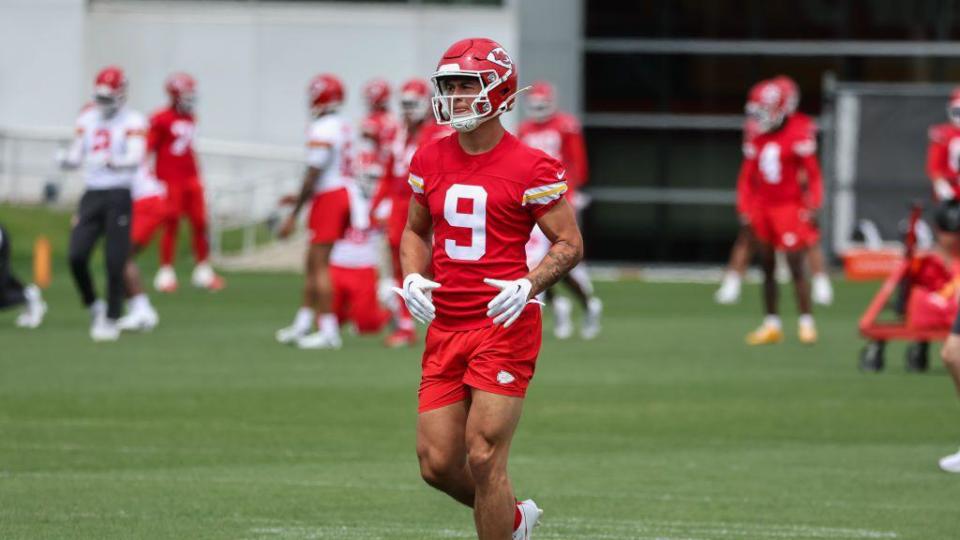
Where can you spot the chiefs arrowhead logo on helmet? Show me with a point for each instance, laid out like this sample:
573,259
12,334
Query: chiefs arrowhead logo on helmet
500,57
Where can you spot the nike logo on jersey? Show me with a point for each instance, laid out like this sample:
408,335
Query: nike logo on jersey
561,174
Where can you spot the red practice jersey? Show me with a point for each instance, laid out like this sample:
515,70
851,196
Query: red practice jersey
770,174
171,140
382,128
483,208
561,138
943,155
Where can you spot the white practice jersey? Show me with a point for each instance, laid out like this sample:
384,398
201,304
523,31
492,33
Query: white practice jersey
145,185
328,149
360,246
103,141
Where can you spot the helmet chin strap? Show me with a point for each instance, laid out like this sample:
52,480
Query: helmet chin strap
471,124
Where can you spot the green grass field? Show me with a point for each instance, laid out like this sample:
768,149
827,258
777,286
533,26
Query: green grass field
667,427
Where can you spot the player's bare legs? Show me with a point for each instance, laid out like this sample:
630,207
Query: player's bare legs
771,331
319,286
491,423
141,314
729,291
796,260
951,359
442,451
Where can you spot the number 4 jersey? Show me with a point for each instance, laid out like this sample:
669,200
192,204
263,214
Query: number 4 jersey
483,208
780,167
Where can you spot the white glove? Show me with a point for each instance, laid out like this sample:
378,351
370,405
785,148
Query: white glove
507,306
416,294
944,190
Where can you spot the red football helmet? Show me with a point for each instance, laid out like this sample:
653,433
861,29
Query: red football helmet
791,90
766,105
415,99
540,103
953,107
325,94
377,94
486,61
110,89
182,89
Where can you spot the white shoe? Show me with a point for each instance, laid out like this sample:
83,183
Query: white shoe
562,324
822,291
530,516
291,334
319,340
591,321
165,280
104,329
951,463
32,315
140,320
729,291
205,278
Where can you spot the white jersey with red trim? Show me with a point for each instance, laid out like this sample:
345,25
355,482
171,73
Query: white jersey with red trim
328,149
103,140
360,245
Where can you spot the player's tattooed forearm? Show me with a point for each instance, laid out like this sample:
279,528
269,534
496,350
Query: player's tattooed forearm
561,258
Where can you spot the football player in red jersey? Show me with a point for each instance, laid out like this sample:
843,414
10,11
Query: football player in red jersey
943,154
558,134
729,291
326,176
779,191
477,195
378,128
394,192
172,131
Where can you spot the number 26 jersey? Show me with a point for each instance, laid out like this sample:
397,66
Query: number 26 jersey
482,208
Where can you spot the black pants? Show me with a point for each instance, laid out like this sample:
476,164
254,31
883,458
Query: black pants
102,213
11,290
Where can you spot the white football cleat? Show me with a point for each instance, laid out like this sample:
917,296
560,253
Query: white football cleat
205,278
165,280
291,334
729,291
36,308
951,463
139,320
104,329
530,516
319,340
822,291
591,321
562,323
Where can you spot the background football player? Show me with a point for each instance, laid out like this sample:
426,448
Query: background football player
172,132
780,191
327,173
379,127
110,143
151,209
559,135
943,153
14,293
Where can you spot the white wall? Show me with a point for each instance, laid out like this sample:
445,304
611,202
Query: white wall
253,61
41,68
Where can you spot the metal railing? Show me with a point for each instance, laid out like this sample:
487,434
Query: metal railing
243,181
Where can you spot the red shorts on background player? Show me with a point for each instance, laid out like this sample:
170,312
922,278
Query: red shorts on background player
477,196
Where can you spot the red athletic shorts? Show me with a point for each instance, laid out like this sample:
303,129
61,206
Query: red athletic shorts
148,215
355,298
786,227
493,359
329,216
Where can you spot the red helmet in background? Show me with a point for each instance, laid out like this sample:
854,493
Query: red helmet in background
377,94
540,103
110,89
953,107
791,90
182,89
484,60
325,94
766,105
415,99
